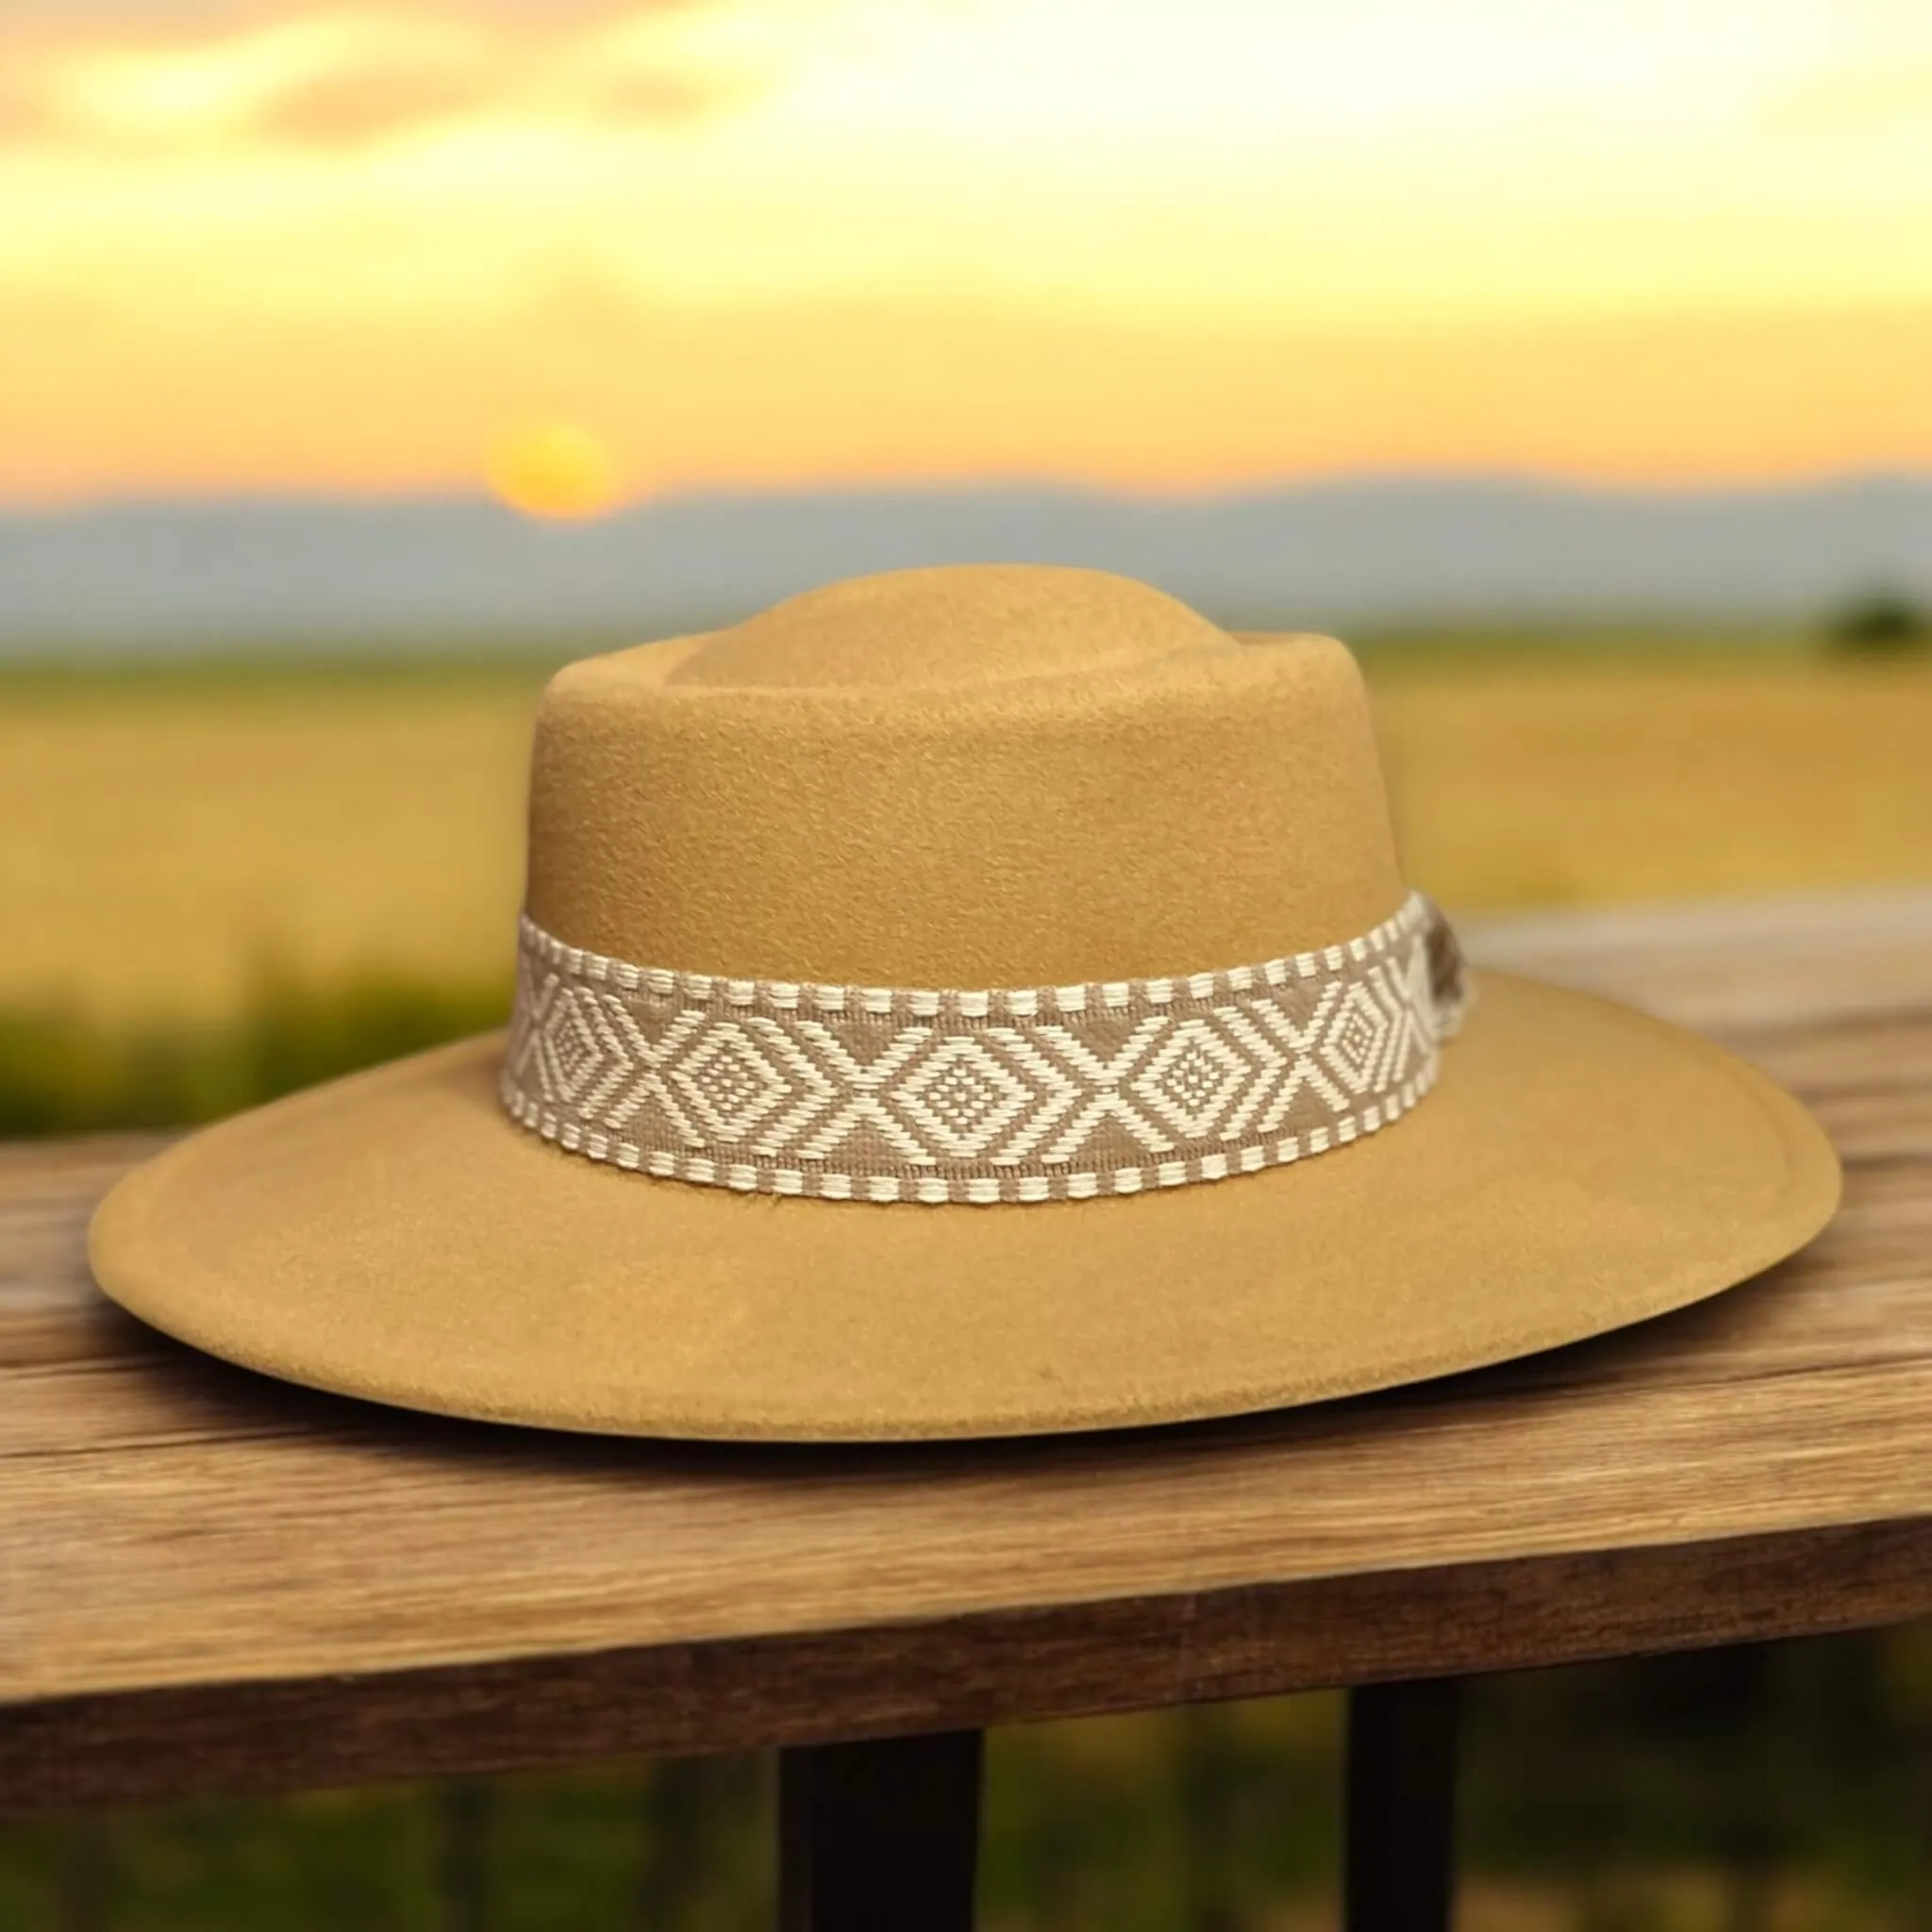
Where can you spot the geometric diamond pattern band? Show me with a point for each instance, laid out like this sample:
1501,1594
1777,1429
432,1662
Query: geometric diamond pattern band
1043,1093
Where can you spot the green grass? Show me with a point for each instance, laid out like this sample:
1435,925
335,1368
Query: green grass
61,1074
198,670
521,662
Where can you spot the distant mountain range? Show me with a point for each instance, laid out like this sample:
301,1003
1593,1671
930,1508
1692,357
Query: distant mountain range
1375,552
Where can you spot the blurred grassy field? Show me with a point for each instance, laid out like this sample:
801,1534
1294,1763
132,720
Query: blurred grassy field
1519,784
174,842
171,842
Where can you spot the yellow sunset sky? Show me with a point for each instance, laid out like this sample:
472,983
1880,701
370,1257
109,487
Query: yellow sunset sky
267,244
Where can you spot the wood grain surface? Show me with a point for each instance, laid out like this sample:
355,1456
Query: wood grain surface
212,1581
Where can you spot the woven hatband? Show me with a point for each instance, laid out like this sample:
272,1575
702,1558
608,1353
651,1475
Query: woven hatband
1046,1093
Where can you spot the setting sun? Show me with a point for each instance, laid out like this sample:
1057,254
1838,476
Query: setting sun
553,469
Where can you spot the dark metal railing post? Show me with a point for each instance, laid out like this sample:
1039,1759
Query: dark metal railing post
880,1837
1399,1827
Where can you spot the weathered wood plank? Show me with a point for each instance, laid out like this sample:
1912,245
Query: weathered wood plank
401,1542
208,1579
49,1309
1723,965
892,1679
1855,1299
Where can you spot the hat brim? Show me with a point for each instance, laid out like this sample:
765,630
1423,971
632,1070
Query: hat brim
394,1236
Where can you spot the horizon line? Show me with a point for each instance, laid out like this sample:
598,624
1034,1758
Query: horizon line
38,508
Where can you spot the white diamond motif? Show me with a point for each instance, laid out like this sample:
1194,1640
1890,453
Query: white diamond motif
962,1099
729,1083
1192,1080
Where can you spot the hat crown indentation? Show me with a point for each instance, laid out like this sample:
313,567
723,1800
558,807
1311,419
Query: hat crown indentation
950,626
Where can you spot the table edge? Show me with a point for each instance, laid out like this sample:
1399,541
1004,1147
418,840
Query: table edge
1014,1666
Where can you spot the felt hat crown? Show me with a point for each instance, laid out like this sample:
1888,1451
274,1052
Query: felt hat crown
947,778
1033,936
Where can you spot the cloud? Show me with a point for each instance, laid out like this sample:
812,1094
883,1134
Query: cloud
283,73
133,20
351,108
23,108
357,108
666,98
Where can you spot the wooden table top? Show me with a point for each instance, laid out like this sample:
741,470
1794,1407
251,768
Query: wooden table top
208,1580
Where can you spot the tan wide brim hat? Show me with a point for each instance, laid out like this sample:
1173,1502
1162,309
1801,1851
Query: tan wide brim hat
1215,1133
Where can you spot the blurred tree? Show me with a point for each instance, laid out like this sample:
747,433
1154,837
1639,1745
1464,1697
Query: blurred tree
1881,624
